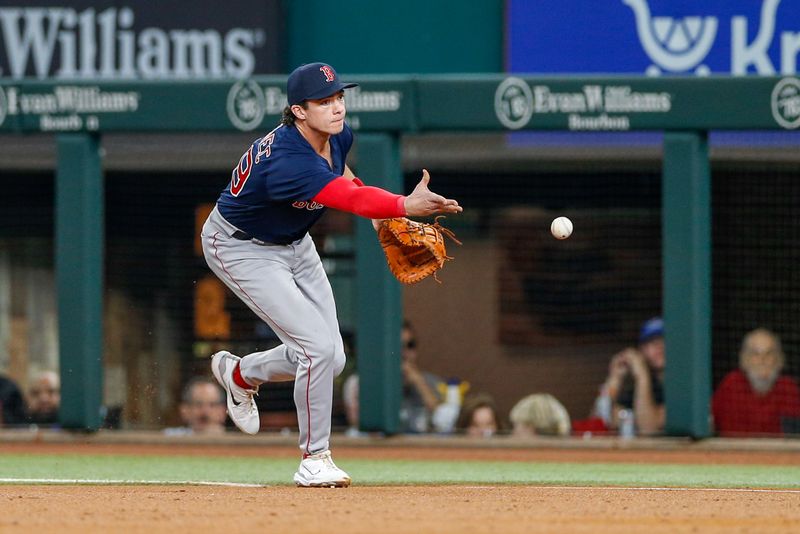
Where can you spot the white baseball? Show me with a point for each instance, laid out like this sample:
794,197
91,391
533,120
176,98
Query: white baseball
561,228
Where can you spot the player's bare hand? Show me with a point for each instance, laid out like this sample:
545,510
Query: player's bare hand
422,201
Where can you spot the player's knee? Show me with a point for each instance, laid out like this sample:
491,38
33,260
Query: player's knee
338,363
323,349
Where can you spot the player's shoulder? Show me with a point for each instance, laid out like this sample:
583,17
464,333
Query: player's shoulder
276,135
276,143
288,138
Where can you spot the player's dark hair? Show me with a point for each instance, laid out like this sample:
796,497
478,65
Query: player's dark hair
288,117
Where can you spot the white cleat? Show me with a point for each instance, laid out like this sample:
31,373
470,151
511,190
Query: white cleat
241,402
319,471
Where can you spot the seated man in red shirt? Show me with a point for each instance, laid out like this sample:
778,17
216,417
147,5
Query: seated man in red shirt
756,399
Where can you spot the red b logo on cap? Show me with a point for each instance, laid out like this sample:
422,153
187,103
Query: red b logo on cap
328,72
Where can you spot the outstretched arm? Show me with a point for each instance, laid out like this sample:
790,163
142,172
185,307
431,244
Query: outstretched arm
348,193
422,201
352,195
348,173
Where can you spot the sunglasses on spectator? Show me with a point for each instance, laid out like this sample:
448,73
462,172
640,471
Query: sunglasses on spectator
201,404
772,351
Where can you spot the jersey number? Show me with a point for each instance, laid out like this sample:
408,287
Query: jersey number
241,173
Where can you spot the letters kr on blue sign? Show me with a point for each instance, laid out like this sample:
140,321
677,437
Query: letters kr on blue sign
653,37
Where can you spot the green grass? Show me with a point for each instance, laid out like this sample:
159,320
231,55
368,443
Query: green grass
273,471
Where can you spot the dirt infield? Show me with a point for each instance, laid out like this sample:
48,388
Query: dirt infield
451,509
441,509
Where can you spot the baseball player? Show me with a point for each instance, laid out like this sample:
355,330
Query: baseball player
256,241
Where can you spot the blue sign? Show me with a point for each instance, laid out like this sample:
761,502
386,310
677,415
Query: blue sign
653,37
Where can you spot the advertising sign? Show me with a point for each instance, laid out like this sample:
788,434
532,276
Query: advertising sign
610,104
653,37
126,40
253,104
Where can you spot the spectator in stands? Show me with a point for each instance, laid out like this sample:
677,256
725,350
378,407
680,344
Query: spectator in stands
635,383
350,399
539,414
422,391
478,417
44,399
202,408
756,399
12,405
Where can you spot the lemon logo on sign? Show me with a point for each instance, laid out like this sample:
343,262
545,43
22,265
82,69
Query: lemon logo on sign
513,103
246,105
786,103
674,44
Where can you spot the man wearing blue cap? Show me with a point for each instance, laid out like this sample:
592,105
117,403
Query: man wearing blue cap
256,241
635,381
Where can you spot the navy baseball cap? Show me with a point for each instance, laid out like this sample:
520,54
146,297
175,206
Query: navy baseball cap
313,81
651,329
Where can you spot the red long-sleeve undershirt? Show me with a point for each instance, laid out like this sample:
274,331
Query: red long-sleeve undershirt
353,196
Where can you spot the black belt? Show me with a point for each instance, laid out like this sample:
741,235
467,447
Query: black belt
241,236
244,236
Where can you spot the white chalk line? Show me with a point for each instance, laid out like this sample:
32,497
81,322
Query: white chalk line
110,482
639,488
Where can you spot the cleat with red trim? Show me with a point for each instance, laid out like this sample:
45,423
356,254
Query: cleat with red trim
241,402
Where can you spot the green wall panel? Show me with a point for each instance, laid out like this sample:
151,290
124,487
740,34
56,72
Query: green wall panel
415,36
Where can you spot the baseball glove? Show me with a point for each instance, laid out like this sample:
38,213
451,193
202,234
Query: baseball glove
414,250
